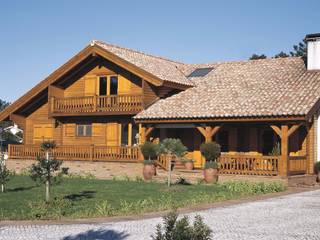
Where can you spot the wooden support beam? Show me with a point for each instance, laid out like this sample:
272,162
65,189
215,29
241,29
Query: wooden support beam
149,130
293,129
208,132
276,129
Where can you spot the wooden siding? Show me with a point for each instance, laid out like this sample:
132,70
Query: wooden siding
38,127
149,93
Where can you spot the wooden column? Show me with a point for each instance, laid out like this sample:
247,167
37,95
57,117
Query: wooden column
208,132
283,165
284,133
144,132
311,148
130,134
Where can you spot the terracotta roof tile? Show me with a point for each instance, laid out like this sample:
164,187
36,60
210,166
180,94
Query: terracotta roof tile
160,67
269,87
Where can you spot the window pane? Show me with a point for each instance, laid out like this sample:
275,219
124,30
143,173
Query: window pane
88,130
103,86
113,85
80,130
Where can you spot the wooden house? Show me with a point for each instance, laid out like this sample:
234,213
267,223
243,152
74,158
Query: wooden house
106,100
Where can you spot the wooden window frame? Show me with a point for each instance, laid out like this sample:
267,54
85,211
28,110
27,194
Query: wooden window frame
108,77
85,126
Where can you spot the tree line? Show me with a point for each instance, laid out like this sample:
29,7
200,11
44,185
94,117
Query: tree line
299,50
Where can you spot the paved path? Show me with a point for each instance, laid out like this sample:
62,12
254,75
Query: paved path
295,216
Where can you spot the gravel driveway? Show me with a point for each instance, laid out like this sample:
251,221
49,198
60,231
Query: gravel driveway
295,216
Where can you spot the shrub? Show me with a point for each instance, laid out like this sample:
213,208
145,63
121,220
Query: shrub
211,151
4,176
48,145
211,164
175,228
148,162
150,150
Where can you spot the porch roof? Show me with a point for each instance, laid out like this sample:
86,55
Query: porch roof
279,87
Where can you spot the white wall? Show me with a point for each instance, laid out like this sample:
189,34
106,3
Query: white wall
314,55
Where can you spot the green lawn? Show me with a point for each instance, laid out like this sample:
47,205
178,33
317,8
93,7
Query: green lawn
79,198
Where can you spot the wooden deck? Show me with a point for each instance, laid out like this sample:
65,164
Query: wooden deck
96,104
74,153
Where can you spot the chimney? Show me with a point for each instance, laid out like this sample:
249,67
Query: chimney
313,46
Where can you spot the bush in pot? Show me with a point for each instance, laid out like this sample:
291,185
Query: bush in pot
150,152
211,151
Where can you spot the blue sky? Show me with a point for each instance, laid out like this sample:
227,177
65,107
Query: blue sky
39,36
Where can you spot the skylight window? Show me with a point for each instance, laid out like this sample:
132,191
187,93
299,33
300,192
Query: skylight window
200,72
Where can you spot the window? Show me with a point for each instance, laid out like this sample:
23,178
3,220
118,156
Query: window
200,72
102,86
223,140
84,130
113,85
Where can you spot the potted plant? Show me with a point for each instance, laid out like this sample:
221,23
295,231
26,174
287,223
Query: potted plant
188,163
210,151
150,152
317,169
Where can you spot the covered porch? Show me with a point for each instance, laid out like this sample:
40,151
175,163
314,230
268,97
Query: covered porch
275,148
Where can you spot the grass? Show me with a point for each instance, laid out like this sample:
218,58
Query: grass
80,198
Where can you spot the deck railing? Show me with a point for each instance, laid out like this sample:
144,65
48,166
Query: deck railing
297,165
92,153
91,104
249,164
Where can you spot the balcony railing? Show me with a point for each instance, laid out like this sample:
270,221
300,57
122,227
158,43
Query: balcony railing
91,153
94,104
249,164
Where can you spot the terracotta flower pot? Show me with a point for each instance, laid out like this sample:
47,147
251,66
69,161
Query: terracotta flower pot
148,171
189,165
210,175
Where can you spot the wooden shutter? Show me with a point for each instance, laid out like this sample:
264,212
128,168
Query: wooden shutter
70,130
90,85
97,129
112,134
124,85
42,132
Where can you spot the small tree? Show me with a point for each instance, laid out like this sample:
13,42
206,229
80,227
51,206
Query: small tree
47,170
211,151
172,147
4,175
175,228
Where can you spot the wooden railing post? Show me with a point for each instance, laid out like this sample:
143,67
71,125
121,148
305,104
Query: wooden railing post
91,152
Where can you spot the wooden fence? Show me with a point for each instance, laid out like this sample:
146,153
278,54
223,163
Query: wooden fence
91,153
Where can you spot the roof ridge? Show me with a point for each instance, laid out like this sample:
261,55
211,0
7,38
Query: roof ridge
136,51
244,61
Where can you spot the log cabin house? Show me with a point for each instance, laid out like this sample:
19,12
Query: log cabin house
106,100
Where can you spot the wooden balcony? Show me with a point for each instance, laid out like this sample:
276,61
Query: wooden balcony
96,105
75,153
